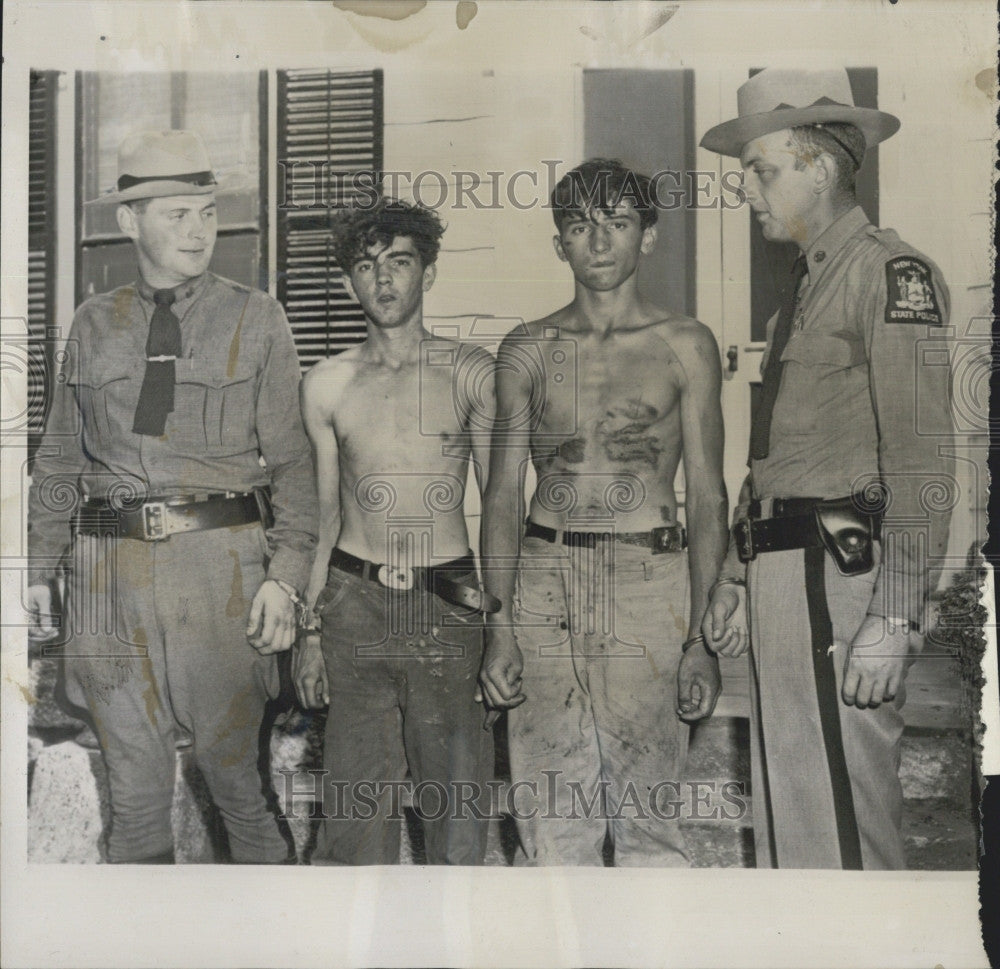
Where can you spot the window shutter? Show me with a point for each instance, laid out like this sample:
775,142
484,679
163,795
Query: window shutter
41,246
329,148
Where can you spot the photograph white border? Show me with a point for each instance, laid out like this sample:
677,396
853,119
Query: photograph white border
233,916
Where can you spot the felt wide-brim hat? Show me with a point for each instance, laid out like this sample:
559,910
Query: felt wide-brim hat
155,164
777,98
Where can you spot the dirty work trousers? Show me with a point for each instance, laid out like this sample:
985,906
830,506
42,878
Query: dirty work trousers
600,630
402,669
825,775
159,639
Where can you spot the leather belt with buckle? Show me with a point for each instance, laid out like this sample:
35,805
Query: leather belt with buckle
156,520
793,524
664,538
435,579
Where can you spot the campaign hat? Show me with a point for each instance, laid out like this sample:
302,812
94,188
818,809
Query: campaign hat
778,98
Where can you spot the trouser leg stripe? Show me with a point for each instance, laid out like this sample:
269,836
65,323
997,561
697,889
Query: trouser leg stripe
763,797
828,699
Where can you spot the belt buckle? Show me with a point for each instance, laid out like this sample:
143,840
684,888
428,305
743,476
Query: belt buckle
400,580
744,541
667,538
154,521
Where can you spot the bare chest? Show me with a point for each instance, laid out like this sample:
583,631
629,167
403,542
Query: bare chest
611,388
400,419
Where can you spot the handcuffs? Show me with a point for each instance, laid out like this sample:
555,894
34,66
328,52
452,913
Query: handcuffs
307,620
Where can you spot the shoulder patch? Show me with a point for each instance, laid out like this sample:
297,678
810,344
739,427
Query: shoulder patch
910,292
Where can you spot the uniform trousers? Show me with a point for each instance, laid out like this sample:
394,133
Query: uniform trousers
402,669
825,775
159,639
600,631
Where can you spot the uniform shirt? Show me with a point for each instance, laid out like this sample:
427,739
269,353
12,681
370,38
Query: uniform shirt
235,402
864,398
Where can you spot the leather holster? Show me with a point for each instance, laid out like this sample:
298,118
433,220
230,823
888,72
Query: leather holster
848,535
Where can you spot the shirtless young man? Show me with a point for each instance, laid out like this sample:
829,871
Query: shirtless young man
394,584
607,394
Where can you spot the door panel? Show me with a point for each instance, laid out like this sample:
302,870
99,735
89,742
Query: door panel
645,119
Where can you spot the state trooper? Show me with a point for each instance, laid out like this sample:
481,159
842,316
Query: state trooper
835,529
195,517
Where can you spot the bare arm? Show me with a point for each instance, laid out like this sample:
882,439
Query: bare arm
702,432
481,410
318,388
706,505
503,513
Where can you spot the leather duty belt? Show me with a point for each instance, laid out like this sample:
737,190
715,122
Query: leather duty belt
157,520
665,538
434,579
838,524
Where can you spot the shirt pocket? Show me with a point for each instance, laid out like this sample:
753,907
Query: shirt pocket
106,394
214,410
825,351
824,380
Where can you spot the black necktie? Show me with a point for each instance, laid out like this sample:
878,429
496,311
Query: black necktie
760,433
163,346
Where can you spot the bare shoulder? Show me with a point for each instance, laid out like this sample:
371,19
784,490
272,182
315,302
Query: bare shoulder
474,353
326,382
459,355
546,328
686,336
693,344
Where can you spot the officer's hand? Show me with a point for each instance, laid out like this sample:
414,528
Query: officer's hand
725,624
41,622
876,663
698,684
309,672
500,673
271,623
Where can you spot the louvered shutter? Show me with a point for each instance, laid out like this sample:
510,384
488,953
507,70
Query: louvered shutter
41,246
329,144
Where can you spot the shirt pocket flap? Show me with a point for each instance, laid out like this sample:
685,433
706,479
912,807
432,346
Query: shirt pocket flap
207,374
103,372
834,351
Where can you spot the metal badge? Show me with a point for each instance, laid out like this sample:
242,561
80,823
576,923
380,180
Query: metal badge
393,578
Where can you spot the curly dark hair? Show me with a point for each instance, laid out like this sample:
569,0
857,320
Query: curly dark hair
357,228
602,184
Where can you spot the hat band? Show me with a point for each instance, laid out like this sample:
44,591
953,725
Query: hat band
191,178
825,102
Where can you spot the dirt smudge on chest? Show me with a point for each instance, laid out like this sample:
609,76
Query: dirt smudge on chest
574,450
